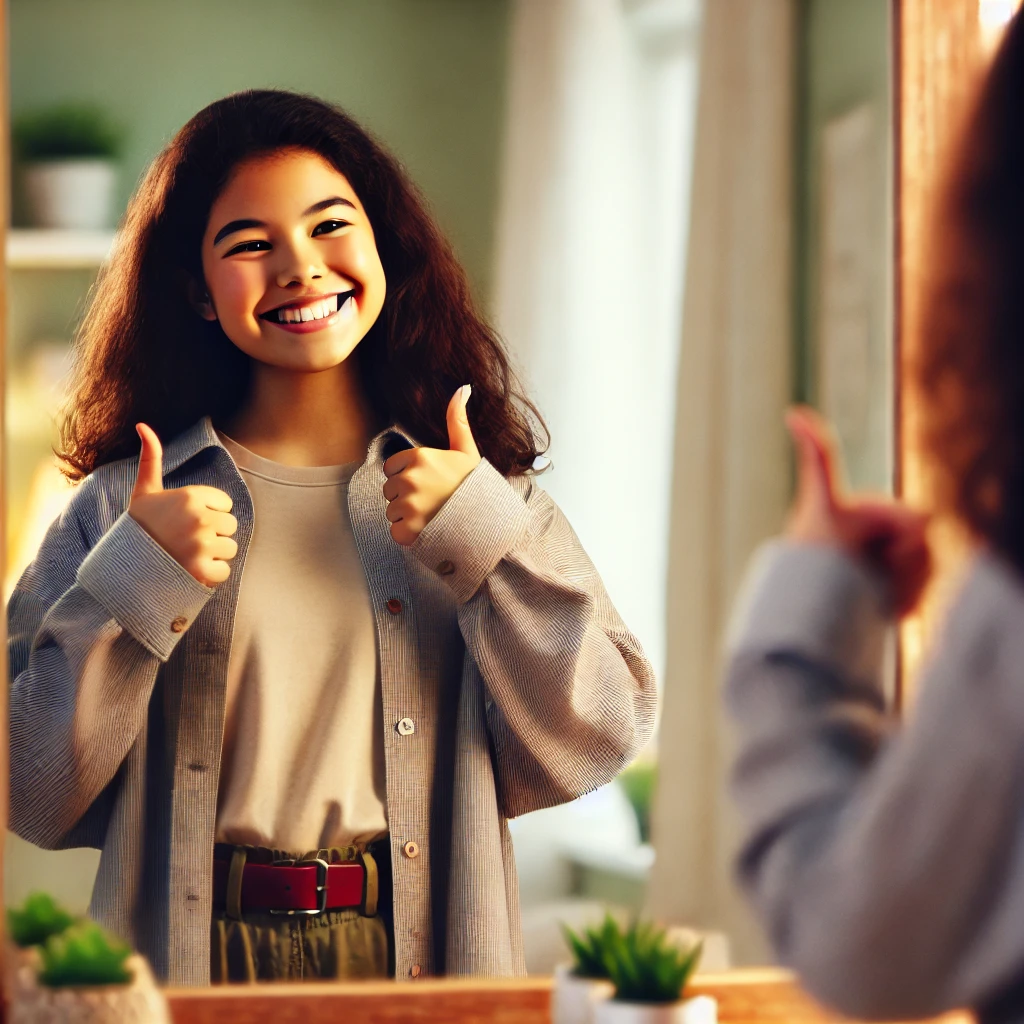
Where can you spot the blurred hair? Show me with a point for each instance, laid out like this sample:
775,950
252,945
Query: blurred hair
968,365
144,354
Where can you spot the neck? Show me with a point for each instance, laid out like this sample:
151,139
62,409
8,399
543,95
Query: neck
305,419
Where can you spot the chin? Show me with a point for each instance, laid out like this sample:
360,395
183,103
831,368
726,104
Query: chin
306,355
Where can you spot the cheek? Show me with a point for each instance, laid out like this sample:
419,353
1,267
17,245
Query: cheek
236,289
357,255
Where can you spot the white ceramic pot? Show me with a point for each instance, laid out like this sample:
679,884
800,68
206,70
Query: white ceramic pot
70,194
699,1010
138,1002
573,999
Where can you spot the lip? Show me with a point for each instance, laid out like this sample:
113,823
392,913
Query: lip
302,300
311,326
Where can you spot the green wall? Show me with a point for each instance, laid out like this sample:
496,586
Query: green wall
427,76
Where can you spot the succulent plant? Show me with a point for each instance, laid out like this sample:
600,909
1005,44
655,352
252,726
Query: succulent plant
37,920
84,954
66,131
588,947
646,967
72,952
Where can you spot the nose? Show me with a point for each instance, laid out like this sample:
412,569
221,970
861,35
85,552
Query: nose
299,263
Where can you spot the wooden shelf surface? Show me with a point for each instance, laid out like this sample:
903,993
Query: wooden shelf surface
767,996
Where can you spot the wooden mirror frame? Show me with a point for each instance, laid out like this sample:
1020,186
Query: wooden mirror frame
925,86
940,51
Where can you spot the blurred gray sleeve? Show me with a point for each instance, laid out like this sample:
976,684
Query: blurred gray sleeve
886,864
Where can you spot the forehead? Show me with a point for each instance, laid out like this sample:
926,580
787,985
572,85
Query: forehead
282,183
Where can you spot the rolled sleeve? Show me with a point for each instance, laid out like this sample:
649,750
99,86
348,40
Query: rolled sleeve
814,599
475,528
149,593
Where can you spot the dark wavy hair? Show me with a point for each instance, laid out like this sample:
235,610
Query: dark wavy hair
968,365
144,354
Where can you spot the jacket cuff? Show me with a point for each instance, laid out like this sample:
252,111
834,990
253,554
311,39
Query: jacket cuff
817,600
473,530
146,591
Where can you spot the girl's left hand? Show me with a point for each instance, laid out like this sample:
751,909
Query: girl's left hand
421,480
885,534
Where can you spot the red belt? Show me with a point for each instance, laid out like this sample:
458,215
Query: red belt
307,887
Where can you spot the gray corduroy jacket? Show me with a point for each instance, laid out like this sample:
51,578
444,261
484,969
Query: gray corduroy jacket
526,689
887,863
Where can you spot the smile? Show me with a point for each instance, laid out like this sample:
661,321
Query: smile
313,315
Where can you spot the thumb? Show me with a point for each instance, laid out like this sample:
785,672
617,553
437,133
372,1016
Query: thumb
151,462
816,470
460,437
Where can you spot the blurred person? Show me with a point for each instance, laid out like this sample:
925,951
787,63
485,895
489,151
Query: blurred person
290,769
886,859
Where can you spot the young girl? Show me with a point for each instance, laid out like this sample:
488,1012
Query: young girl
887,862
326,628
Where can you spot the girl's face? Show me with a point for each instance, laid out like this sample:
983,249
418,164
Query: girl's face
290,263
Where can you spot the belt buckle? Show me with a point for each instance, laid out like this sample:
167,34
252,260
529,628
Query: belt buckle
321,887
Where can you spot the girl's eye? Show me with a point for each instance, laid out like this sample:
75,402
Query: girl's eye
330,225
248,247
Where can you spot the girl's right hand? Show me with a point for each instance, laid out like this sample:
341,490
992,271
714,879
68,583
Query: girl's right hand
193,525
887,535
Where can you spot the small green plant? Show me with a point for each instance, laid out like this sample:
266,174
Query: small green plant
37,920
588,947
84,955
645,967
66,131
638,782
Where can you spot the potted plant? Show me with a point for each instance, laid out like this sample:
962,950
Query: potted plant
649,974
67,155
68,970
584,982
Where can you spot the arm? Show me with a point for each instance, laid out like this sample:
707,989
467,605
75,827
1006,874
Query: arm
88,630
570,696
887,866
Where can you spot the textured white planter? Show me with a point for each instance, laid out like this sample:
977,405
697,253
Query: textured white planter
70,194
573,999
699,1010
138,1002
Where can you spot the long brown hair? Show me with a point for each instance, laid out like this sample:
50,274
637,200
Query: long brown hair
969,363
143,353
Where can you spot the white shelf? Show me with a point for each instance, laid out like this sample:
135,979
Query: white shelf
47,249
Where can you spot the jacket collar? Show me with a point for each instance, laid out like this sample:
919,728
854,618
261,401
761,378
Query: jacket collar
201,435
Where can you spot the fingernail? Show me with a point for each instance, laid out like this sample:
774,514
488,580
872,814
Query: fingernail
467,390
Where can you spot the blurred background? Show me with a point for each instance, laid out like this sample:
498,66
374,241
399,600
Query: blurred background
679,215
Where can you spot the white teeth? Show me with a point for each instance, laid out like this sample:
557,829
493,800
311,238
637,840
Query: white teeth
314,311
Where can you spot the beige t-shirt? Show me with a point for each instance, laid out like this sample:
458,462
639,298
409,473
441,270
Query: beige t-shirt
303,760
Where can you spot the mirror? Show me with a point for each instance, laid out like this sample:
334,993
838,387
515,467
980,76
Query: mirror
651,214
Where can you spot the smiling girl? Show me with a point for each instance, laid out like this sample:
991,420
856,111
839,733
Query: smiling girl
294,666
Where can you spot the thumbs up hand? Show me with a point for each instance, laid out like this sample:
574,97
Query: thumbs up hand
193,525
421,480
887,535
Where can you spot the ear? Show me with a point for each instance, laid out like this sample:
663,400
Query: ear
199,298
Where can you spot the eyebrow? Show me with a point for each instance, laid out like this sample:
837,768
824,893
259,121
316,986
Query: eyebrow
242,225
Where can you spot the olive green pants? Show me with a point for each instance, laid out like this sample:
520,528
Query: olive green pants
339,944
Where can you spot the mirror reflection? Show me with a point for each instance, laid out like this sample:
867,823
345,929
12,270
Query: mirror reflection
307,642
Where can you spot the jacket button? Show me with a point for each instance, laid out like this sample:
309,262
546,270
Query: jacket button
178,625
406,727
415,971
411,850
394,606
445,568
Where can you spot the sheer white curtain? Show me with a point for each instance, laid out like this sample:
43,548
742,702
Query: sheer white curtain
730,474
592,226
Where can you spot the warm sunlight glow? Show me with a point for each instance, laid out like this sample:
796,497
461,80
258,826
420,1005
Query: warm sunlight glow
993,16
